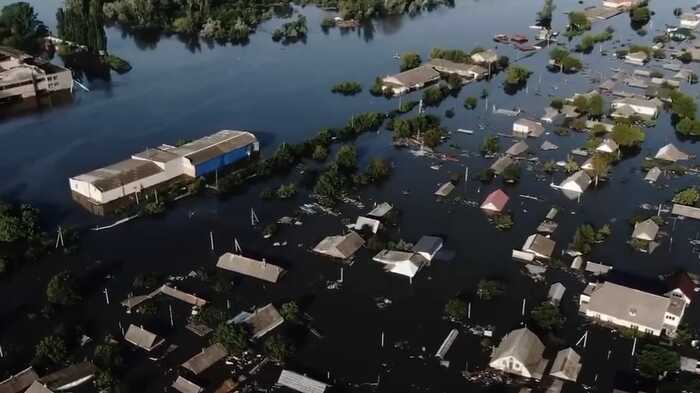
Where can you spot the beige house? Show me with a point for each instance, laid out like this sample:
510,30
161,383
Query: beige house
413,79
520,353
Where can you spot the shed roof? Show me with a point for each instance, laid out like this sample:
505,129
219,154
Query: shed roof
250,267
671,153
342,247
495,201
205,359
300,383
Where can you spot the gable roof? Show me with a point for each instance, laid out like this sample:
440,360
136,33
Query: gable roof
142,338
428,245
577,182
682,282
19,382
250,267
70,376
37,387
263,320
628,304
495,201
184,385
517,149
671,153
501,164
205,359
523,345
118,174
414,77
645,230
540,245
445,189
342,247
566,365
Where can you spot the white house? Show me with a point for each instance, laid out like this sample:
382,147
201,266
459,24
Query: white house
607,146
631,308
578,182
520,353
401,262
526,127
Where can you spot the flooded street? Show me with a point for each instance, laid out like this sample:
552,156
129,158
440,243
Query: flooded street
282,94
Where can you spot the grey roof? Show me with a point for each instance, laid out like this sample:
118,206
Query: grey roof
264,320
250,267
445,189
671,153
342,247
414,77
534,128
19,381
517,149
301,383
579,180
142,338
69,376
205,359
460,68
182,296
653,174
184,385
523,345
686,211
645,230
566,365
428,244
547,145
156,155
501,164
211,146
556,291
380,210
597,268
123,172
37,387
628,304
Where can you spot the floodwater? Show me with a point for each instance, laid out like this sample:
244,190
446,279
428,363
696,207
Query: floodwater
282,93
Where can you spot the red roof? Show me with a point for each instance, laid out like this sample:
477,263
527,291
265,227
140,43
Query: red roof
682,281
495,201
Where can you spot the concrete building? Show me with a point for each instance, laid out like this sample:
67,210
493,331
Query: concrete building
23,77
632,308
520,353
100,189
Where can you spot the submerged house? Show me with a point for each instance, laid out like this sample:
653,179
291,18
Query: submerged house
401,262
415,78
556,293
566,365
301,383
501,164
184,385
517,149
671,153
520,353
202,361
539,246
637,58
527,127
495,202
262,321
645,230
488,56
428,247
470,71
250,267
19,382
632,308
142,338
445,189
636,106
576,183
341,247
608,146
69,377
106,189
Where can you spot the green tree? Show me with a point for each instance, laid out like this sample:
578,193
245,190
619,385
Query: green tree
689,197
490,145
18,223
82,22
20,28
347,88
547,316
558,54
434,95
511,174
51,350
489,289
627,135
62,289
329,186
346,158
601,165
320,153
409,60
470,103
557,103
581,104
640,15
456,309
278,348
286,191
516,74
290,312
570,64
595,106
234,337
683,105
378,169
432,137
578,21
655,361
544,15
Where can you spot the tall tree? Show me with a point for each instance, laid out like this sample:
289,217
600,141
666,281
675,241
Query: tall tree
20,28
82,22
544,16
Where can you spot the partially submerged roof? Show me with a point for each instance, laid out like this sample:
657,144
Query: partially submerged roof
380,210
70,376
250,267
577,182
19,381
628,304
445,189
653,175
525,346
608,146
428,246
567,365
342,247
200,362
645,230
501,164
671,153
556,291
517,149
38,387
534,128
118,174
539,245
300,383
686,211
495,201
366,222
414,77
547,145
184,385
401,262
215,145
263,320
142,338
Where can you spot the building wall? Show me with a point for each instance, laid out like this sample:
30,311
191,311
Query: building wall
621,322
511,365
222,161
517,127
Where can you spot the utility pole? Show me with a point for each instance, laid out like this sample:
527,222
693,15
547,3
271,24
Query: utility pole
211,239
106,295
172,323
59,237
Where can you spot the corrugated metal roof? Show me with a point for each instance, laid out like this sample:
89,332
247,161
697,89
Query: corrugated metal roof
142,338
120,173
205,359
301,383
208,147
264,320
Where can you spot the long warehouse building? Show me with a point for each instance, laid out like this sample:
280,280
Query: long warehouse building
105,189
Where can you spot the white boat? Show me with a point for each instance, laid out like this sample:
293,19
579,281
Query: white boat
463,131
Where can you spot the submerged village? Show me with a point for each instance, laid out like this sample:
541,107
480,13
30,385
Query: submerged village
516,214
